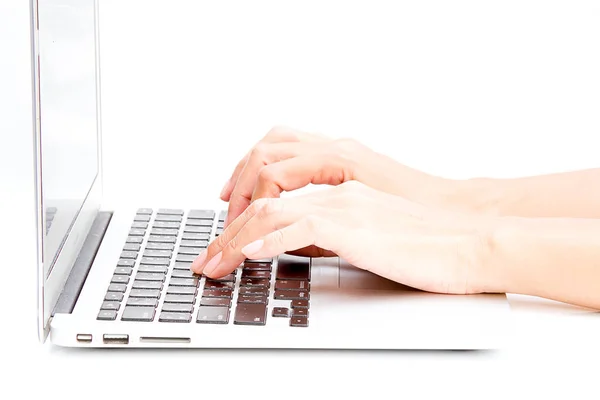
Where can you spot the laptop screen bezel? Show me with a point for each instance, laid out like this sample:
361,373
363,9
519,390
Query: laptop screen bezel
50,287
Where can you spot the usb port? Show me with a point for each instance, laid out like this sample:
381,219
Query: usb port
111,338
84,337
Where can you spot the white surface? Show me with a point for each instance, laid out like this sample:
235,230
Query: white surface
465,88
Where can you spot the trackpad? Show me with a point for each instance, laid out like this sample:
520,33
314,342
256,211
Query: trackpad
351,277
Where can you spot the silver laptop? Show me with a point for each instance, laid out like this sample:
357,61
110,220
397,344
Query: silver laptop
122,278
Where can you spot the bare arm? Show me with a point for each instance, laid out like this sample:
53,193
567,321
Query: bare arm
570,194
554,258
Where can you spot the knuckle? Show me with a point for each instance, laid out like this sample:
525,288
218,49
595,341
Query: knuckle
267,173
258,205
282,133
271,207
259,151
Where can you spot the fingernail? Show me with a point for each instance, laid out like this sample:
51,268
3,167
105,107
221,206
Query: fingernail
212,264
199,261
253,247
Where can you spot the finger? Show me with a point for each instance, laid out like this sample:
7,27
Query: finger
273,216
296,173
276,135
262,155
309,231
229,233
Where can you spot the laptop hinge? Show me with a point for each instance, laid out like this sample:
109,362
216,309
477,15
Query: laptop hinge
83,263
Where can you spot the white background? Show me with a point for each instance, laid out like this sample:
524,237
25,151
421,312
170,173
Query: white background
461,89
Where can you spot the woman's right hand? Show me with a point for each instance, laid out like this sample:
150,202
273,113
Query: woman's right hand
286,159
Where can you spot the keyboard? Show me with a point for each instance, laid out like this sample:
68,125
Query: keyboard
152,281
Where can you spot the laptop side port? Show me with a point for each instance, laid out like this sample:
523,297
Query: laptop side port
112,338
84,338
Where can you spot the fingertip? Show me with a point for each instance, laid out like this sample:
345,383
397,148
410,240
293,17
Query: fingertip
197,264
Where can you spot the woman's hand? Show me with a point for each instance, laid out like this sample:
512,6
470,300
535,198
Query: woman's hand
426,248
287,159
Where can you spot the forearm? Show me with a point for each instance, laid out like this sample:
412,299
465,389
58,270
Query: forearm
571,194
557,259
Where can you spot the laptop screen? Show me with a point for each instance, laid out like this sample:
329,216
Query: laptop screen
68,115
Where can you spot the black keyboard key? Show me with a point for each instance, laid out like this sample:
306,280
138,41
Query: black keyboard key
157,269
143,314
162,239
179,298
113,296
291,295
120,279
212,315
149,276
132,255
292,285
217,293
253,291
126,263
155,294
255,282
107,315
195,236
178,307
144,211
299,321
184,290
300,304
111,305
135,239
293,268
164,232
256,274
137,232
117,287
252,299
154,285
139,225
199,222
218,285
251,266
281,312
123,270
215,302
184,273
160,246
168,218
166,316
183,281
142,218
226,278
142,302
194,251
132,247
197,229
194,243
158,253
201,214
250,314
167,224
155,261
300,312
185,258
170,211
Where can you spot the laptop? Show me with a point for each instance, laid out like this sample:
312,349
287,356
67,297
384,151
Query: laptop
120,277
